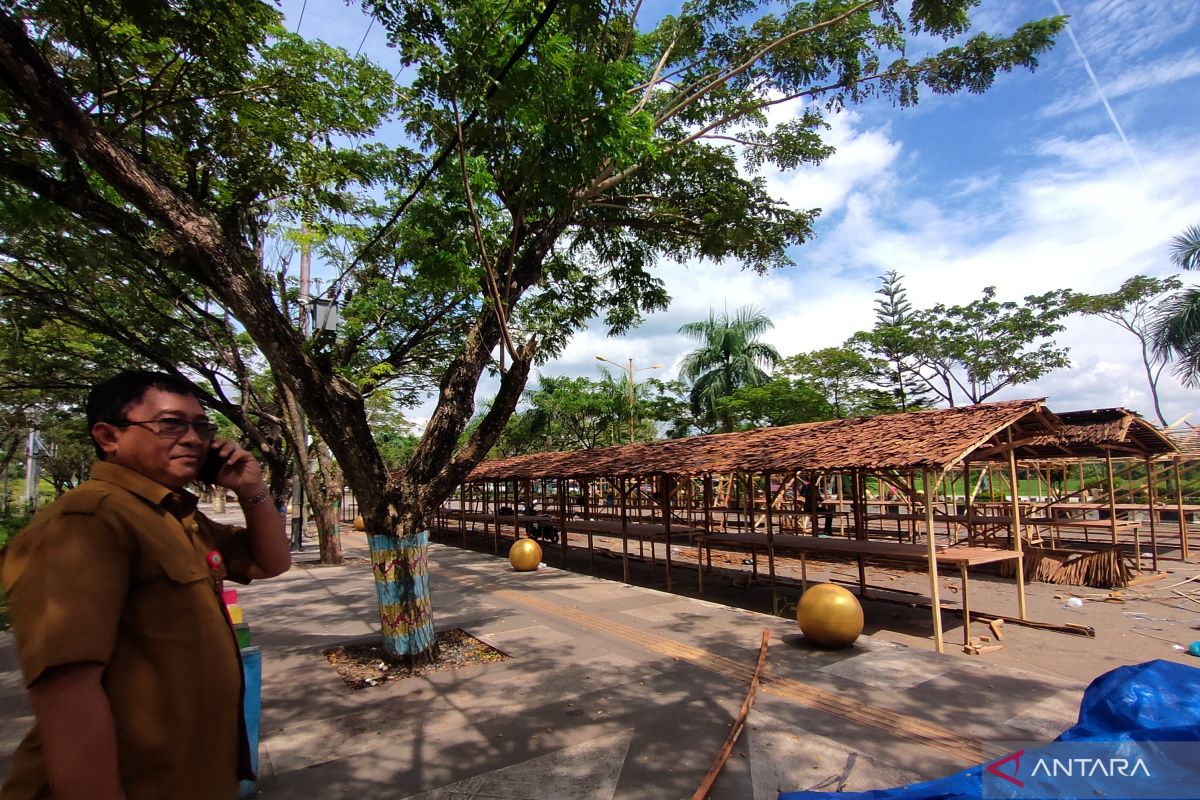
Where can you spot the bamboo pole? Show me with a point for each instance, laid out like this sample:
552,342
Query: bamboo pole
1151,492
585,490
735,729
462,515
561,484
1112,496
625,528
1018,545
751,492
947,484
770,544
966,604
665,488
860,531
496,517
708,519
935,599
969,499
1183,531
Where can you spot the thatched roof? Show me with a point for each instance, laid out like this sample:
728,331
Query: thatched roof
1094,432
932,439
1186,438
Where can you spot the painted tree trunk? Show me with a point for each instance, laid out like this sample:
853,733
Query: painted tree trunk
399,565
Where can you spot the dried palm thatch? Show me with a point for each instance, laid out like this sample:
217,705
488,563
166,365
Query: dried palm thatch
1095,432
932,439
1186,438
1105,569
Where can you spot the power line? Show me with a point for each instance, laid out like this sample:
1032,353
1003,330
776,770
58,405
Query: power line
364,39
303,8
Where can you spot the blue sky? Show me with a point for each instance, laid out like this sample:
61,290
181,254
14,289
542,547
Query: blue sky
1028,187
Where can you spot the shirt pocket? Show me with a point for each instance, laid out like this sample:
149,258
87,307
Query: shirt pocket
177,600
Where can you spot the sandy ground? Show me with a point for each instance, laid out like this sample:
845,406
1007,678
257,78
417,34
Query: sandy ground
1157,618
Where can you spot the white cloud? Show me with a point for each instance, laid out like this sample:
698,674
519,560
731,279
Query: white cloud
1121,31
1079,216
1169,69
862,157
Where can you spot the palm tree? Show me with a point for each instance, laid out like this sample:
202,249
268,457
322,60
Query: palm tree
730,356
1177,324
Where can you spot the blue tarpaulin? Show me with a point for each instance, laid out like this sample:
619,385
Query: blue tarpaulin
1136,737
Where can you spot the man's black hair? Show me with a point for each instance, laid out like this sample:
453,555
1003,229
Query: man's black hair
108,400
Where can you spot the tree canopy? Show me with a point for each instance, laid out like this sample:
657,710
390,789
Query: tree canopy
554,153
968,353
1176,327
1133,308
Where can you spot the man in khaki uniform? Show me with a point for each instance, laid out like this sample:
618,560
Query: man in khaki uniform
113,590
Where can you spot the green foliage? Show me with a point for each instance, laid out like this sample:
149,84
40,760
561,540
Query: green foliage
565,413
890,341
591,147
779,401
1132,307
970,352
393,433
1176,328
730,356
846,378
554,155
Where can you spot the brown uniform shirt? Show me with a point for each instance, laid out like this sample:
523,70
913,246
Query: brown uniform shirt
122,571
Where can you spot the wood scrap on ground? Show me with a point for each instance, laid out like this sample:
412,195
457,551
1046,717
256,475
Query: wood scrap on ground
1144,579
979,646
738,724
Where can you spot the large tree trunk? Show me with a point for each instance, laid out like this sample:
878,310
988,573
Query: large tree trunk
399,565
316,494
222,259
328,487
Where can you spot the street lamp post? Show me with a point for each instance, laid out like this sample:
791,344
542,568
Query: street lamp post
629,371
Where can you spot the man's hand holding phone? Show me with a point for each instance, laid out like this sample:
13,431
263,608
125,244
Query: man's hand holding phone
234,468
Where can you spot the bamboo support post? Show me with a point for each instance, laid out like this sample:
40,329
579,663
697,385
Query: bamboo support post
966,604
1183,529
496,517
935,600
1112,495
1152,512
860,527
708,522
562,513
770,543
462,515
625,529
665,489
585,489
1018,545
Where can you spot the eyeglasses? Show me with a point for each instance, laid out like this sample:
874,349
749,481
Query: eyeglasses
173,427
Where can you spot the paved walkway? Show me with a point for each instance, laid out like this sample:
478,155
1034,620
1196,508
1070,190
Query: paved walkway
611,691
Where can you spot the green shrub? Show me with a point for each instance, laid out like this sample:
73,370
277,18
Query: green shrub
10,523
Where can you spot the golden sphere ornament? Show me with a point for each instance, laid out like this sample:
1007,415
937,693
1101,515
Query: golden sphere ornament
525,555
830,616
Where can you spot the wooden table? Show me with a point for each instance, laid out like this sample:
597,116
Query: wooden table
961,557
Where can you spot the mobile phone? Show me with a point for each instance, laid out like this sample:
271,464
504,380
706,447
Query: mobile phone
211,466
